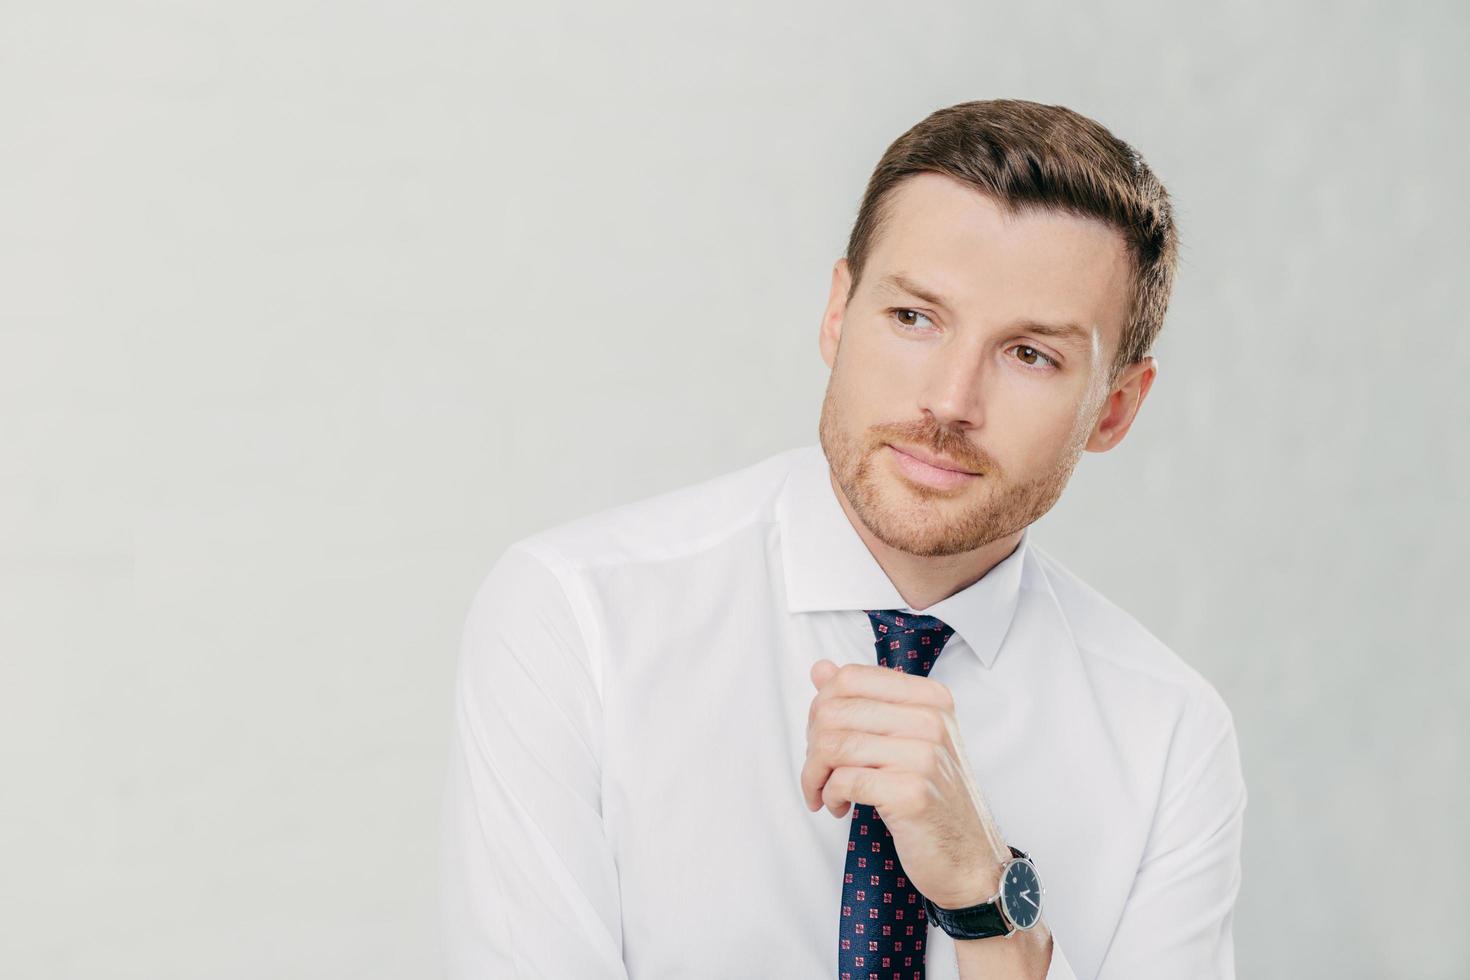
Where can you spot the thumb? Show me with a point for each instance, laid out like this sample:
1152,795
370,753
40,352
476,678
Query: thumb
822,672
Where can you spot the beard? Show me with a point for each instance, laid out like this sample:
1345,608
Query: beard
931,523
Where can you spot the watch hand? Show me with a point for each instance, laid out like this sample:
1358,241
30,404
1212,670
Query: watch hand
1027,896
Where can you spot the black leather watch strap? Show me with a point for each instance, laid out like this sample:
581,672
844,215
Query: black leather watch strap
974,922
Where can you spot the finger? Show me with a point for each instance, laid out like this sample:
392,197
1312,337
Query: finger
885,684
903,719
830,749
822,671
888,791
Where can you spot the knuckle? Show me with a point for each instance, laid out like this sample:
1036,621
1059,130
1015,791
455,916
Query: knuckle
833,786
938,727
916,793
850,781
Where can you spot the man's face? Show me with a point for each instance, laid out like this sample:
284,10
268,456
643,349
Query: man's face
966,375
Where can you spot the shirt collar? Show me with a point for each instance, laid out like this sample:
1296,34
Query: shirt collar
828,567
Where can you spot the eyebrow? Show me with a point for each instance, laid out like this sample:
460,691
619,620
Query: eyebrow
1062,331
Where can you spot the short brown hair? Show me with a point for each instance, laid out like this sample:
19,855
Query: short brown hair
1029,156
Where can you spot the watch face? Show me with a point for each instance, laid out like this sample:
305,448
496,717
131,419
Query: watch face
1021,894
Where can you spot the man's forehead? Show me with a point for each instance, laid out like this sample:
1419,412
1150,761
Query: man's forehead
931,209
952,246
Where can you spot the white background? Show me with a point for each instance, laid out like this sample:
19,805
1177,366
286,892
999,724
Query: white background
309,308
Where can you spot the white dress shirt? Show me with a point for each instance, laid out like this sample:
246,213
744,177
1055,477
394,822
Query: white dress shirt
624,799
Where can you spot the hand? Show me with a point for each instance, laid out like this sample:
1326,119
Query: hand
889,739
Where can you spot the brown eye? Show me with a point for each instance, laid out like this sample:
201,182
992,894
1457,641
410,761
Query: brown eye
903,314
1030,354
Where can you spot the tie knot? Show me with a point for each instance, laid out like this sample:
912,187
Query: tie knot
909,642
894,620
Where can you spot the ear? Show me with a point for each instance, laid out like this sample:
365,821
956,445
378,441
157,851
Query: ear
831,329
1122,404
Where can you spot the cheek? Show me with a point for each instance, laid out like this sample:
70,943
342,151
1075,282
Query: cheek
869,387
1052,402
1027,434
850,407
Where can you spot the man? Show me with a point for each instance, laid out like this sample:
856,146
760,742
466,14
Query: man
658,706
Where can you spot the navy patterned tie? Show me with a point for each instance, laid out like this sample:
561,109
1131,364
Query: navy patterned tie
883,924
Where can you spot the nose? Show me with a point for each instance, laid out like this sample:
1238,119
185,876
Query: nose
953,389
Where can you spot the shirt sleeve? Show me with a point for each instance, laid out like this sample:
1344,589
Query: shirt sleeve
528,884
1178,918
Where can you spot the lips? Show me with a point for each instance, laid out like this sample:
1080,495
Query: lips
924,456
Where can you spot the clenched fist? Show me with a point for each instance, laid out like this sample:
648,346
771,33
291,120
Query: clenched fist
889,739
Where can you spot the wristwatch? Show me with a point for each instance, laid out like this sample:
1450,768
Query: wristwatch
1016,906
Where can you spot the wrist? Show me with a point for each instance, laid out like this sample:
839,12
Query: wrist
979,885
1014,909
